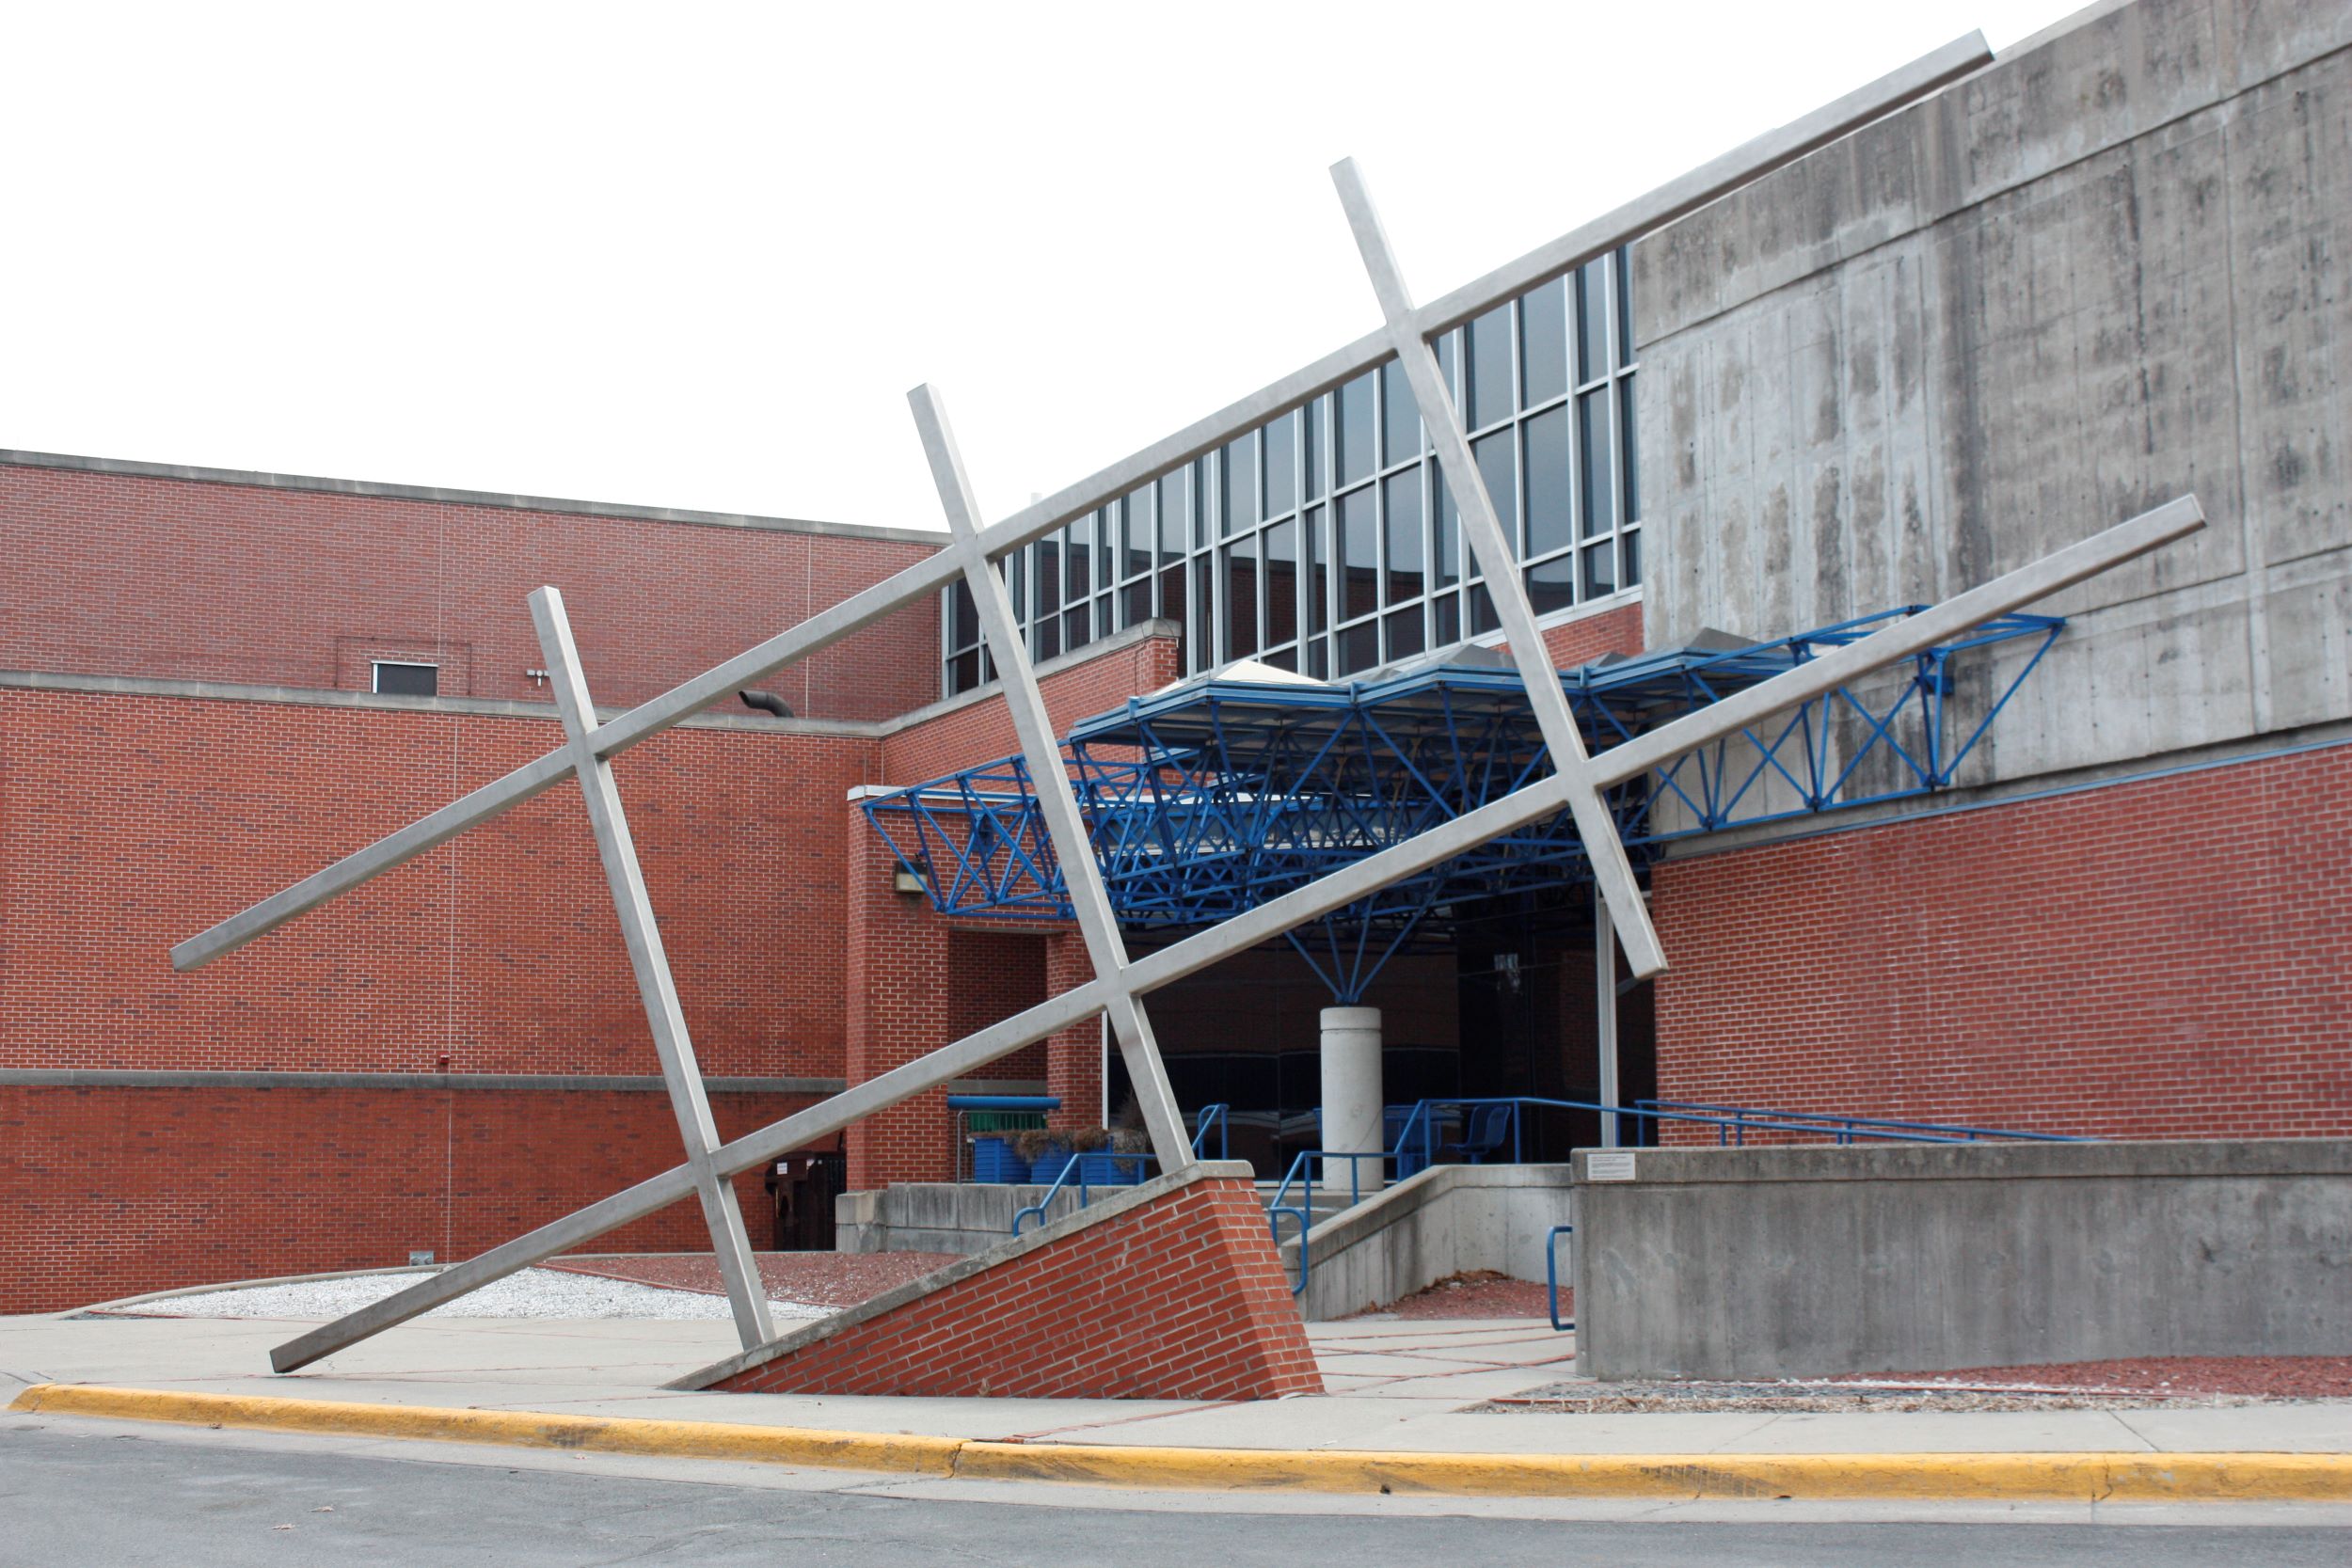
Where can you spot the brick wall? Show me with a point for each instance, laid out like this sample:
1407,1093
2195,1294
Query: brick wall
128,823
1182,1297
180,579
2165,958
1578,642
107,1193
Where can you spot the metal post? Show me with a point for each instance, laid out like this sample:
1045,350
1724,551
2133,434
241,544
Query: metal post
1082,876
1605,1015
1612,872
688,1102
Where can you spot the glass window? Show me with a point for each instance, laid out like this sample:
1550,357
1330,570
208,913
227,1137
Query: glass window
963,618
1359,647
1017,585
1490,367
1079,558
1282,659
1311,445
1241,483
963,672
1446,555
1632,541
1483,618
1592,319
1446,612
1551,585
1496,455
1449,370
1631,485
1077,627
1048,638
1544,342
1172,603
1204,607
1175,513
1355,432
1405,633
1600,569
1359,561
1281,465
1401,498
1319,659
1281,581
1137,537
394,678
1625,304
1592,447
1400,420
1049,574
1318,568
1551,520
1136,602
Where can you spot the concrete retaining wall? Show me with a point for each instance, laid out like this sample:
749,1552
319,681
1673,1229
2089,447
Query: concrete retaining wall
940,1216
1766,1262
1443,1221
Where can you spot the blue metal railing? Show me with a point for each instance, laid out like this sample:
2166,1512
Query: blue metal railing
1845,1129
1273,1220
1077,1166
1211,1115
1551,1274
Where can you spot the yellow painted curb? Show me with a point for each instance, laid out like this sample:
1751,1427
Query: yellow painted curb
2015,1477
845,1450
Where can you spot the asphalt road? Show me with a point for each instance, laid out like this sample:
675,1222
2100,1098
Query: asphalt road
99,1495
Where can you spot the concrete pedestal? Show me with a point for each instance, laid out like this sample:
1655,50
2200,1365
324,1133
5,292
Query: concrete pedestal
1351,1098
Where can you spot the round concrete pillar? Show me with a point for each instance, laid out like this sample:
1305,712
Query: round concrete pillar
1352,1099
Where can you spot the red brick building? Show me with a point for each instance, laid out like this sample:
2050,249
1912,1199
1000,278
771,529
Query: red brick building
1873,378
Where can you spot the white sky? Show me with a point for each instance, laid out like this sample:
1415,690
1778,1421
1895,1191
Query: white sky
695,255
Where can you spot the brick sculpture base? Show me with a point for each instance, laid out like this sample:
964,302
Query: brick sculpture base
1169,1291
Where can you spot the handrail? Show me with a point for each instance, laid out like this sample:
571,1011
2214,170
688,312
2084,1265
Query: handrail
1078,1163
1213,1115
1551,1274
1862,1125
1301,1171
1275,1229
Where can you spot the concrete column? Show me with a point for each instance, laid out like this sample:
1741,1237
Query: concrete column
1351,1098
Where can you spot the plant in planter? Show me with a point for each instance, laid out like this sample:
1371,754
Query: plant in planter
1046,1151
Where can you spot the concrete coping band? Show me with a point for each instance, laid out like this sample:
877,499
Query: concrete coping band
1978,1162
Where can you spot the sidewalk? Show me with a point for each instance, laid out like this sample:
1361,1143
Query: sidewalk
1398,1388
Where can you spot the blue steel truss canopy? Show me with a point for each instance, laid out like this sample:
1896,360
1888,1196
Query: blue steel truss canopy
1216,794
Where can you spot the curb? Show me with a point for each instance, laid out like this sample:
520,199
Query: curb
2074,1476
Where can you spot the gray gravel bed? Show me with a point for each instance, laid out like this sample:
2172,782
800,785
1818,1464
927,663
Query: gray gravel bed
531,1293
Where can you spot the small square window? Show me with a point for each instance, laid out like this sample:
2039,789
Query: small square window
408,680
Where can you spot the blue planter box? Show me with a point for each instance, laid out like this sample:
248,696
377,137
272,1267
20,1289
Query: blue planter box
993,1160
1106,1169
1046,1167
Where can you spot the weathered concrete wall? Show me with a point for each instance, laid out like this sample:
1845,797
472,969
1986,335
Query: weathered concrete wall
2108,269
1440,1222
943,1217
1778,1262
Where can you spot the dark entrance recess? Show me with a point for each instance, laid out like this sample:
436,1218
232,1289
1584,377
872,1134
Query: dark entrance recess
801,1186
1504,1007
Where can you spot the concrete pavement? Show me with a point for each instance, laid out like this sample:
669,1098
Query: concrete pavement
1398,1388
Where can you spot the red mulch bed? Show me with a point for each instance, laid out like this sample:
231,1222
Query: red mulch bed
2294,1377
1478,1293
818,1278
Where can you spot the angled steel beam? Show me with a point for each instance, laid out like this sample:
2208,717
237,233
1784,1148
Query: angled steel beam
1081,875
1612,872
747,1296
1672,200
2175,519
